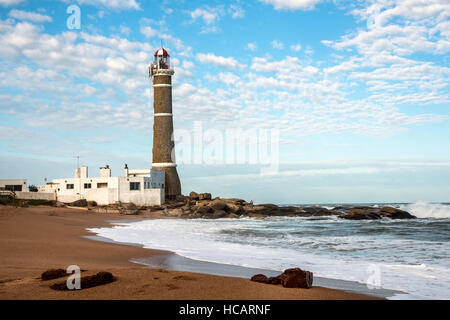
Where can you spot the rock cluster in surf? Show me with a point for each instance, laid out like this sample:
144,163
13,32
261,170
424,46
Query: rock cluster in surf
202,205
290,278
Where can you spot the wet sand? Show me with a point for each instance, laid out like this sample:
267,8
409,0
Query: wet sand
36,239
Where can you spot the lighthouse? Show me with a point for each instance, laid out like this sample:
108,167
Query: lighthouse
163,145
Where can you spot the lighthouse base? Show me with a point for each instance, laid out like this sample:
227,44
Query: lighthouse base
172,186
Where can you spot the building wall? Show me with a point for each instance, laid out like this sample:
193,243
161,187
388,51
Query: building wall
143,197
102,196
149,192
138,172
35,196
117,190
49,187
14,182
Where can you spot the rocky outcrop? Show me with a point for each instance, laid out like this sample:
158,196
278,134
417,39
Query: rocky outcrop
371,213
394,213
128,208
200,196
361,214
290,278
217,205
202,205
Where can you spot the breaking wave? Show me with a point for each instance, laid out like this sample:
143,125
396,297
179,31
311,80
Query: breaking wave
423,209
412,255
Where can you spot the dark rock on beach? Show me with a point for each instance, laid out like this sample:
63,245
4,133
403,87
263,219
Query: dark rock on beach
79,203
91,204
290,278
53,274
98,279
296,278
274,280
259,278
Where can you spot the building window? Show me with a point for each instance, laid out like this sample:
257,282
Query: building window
87,186
16,187
69,186
102,185
135,186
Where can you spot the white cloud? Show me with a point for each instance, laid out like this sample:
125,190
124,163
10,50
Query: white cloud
236,11
383,53
401,28
188,64
111,4
277,44
218,61
31,16
124,30
296,47
251,46
148,31
210,29
308,98
309,51
10,3
182,49
292,4
208,15
286,65
229,78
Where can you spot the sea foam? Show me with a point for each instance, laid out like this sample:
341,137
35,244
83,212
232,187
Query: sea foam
423,209
411,255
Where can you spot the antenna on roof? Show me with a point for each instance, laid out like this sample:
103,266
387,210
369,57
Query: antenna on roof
78,161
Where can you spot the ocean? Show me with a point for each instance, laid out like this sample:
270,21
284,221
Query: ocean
411,256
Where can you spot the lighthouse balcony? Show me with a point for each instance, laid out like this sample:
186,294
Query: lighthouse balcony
154,71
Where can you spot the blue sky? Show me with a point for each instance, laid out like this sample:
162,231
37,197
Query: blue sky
358,91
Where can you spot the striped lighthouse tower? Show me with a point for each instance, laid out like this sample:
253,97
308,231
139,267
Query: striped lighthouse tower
163,144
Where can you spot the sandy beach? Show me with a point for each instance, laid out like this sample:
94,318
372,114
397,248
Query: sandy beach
35,239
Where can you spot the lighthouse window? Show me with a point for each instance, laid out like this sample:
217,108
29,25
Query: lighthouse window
135,186
87,185
69,186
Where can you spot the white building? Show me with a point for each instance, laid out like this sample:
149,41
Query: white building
141,187
14,185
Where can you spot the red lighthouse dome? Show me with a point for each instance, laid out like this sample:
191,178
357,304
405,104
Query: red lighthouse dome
162,59
161,52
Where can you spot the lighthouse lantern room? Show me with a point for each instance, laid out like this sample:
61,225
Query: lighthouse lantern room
161,61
